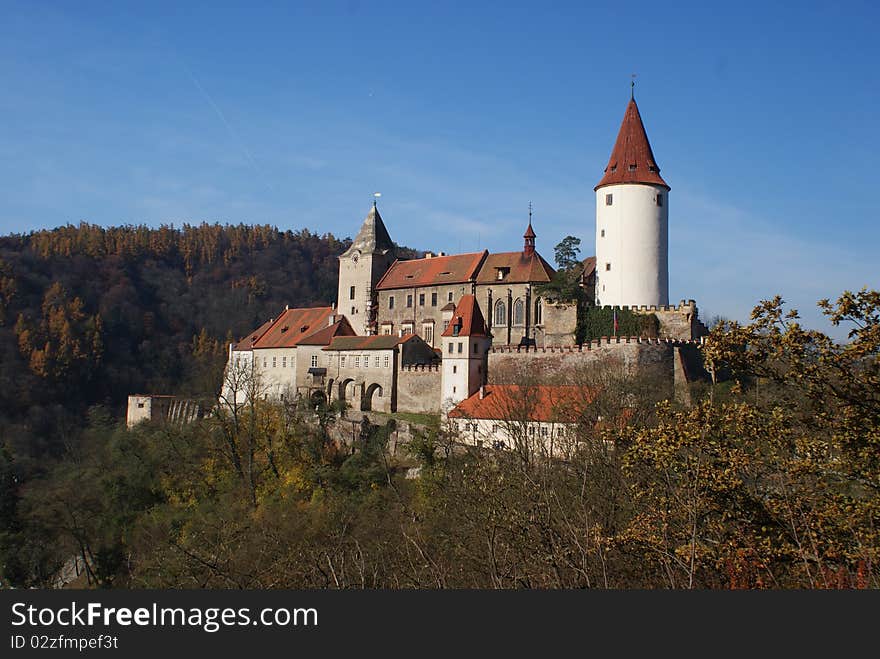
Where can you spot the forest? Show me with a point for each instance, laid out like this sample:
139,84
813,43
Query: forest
768,477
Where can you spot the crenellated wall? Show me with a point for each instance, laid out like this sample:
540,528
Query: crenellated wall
418,388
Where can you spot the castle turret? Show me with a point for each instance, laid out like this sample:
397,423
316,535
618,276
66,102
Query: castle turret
632,222
360,269
465,345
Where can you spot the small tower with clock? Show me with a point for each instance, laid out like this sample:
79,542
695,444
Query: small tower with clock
360,268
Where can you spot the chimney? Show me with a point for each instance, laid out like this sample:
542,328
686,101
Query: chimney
331,319
287,307
441,253
482,392
429,255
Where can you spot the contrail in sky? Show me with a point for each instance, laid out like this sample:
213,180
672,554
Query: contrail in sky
232,132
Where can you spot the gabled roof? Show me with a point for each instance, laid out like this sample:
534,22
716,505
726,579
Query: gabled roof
373,237
523,268
512,402
434,271
322,337
467,319
632,160
294,326
374,342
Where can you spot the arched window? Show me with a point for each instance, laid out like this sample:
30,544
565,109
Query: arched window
519,313
539,311
500,313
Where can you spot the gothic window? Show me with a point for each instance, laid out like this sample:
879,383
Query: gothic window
500,313
539,311
519,313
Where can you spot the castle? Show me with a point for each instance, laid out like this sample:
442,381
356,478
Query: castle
432,334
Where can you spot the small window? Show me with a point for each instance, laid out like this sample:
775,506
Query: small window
386,361
376,364
450,296
342,361
409,300
659,199
351,293
476,349
284,362
609,199
453,389
602,233
274,362
433,299
460,347
454,369
140,405
353,312
391,302
264,362
428,331
445,325
632,168
451,348
357,361
314,361
366,361
607,267
421,299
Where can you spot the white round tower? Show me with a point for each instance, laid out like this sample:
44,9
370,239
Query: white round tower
632,222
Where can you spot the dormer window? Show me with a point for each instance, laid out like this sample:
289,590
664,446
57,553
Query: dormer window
613,168
501,273
632,168
303,329
284,329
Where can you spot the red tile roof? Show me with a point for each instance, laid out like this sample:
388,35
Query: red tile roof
434,271
467,318
589,266
512,402
322,337
523,268
292,327
530,232
632,160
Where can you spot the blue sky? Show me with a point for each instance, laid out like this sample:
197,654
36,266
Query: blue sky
763,118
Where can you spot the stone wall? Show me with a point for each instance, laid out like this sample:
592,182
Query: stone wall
558,365
418,389
169,409
680,322
558,328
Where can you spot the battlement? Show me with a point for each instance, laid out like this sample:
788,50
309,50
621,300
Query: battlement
685,306
597,343
421,368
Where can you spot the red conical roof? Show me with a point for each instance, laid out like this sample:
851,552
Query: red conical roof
632,160
530,232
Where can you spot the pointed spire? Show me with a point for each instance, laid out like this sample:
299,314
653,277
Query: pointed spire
529,236
632,160
467,319
373,237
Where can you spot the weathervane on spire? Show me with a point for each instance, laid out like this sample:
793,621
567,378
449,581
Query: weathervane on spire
530,212
376,196
632,87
